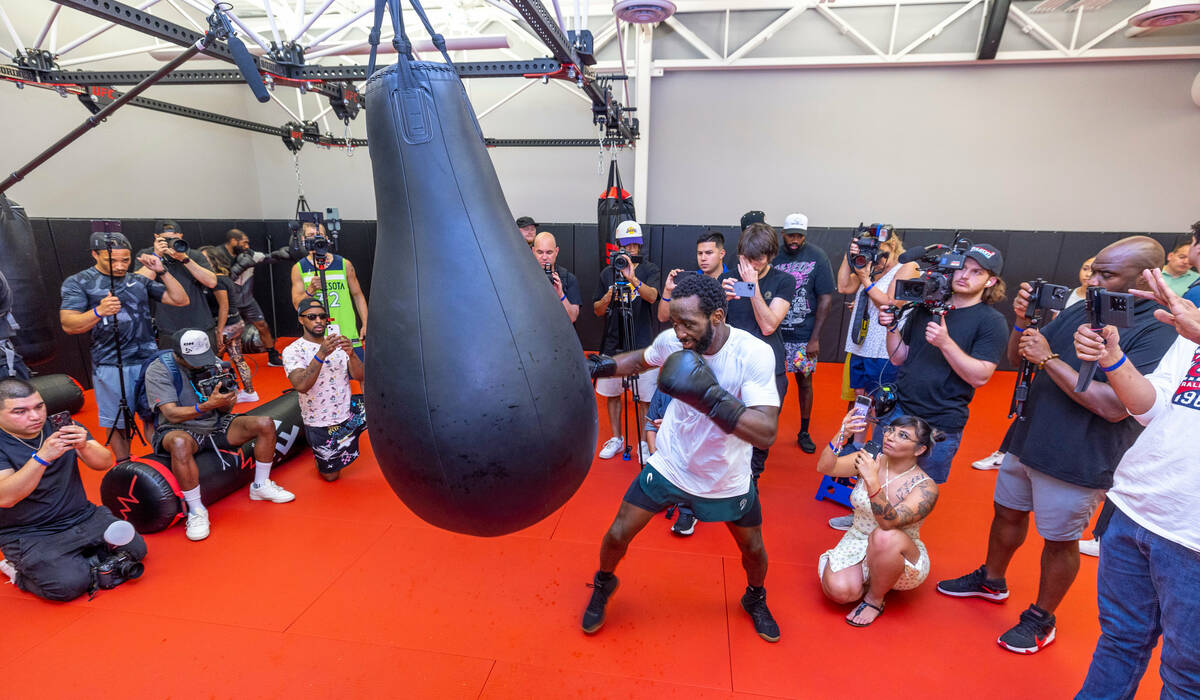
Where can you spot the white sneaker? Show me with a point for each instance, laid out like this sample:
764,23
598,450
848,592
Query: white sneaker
247,396
990,462
197,525
271,491
842,522
645,451
612,447
1090,547
8,570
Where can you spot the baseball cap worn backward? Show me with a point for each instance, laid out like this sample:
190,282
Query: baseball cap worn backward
167,226
988,257
309,303
753,216
193,346
795,223
629,232
100,239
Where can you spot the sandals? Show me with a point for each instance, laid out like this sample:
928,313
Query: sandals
864,604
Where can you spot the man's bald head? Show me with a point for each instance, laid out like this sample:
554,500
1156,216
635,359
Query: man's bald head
545,248
1118,267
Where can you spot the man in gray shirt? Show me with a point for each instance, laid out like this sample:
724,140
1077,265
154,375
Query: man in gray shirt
192,415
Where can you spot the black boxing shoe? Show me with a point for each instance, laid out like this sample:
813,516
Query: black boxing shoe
755,603
593,616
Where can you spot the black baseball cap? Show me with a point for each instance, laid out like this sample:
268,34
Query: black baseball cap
101,239
753,217
166,226
988,257
526,221
309,303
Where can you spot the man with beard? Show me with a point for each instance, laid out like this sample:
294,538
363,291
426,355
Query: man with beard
800,330
236,249
724,381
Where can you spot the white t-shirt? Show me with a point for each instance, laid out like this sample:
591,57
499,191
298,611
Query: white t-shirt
1157,482
1074,299
327,401
692,452
875,344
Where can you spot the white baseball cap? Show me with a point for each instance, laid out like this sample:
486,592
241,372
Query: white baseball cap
795,222
629,232
193,346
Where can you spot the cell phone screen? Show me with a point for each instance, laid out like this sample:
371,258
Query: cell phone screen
862,406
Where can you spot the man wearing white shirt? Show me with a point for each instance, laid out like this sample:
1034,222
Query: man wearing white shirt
1150,553
724,381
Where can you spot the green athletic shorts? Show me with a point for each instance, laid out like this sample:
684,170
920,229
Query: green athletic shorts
654,492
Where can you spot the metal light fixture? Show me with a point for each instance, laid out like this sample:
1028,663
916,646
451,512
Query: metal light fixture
643,11
1166,13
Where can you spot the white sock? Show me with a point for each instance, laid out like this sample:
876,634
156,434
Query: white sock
262,472
192,497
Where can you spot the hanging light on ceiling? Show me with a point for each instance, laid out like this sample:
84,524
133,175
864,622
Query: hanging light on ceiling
643,11
1166,13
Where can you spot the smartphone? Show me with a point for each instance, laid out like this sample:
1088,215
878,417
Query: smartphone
862,406
871,448
743,289
333,329
60,420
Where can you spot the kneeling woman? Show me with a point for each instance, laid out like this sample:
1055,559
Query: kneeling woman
882,551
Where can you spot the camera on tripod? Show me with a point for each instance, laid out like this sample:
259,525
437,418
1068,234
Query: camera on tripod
621,259
217,378
869,239
934,287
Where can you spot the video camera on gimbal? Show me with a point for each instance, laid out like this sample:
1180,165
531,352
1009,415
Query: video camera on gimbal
934,287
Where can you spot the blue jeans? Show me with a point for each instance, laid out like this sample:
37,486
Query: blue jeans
1146,586
936,462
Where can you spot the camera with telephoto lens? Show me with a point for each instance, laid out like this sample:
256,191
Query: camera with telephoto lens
218,377
622,259
934,287
1044,296
869,239
179,245
116,569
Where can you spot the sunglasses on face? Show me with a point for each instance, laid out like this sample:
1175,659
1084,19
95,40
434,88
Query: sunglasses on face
315,317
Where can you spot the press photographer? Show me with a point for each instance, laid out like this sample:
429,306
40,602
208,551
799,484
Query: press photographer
566,286
624,298
951,344
57,545
1062,450
192,394
236,256
329,277
114,307
320,366
191,269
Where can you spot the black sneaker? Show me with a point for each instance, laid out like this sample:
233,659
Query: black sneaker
805,441
593,616
764,623
273,359
974,585
685,524
1032,634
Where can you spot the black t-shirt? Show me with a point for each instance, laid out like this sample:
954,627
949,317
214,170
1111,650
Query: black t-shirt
83,291
776,284
814,278
929,387
226,285
643,313
570,285
1065,440
168,319
56,503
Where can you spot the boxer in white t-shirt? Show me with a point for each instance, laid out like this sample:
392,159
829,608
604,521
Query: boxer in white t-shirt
727,403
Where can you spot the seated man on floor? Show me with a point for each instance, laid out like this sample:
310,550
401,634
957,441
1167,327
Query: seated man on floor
51,535
193,397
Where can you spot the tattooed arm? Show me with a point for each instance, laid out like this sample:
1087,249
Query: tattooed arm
915,506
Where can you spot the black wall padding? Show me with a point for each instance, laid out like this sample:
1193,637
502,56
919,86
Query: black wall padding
36,319
480,406
145,492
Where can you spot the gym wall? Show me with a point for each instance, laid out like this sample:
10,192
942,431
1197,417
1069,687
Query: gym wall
62,251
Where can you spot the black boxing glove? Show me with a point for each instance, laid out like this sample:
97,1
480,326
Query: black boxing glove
685,376
601,366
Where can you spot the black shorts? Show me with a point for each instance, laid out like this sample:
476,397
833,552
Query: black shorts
215,438
251,311
654,492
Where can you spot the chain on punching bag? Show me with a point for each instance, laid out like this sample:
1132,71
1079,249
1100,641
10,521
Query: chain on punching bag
479,404
34,336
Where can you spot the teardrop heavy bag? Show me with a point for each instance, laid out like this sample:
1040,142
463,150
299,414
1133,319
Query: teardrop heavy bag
480,407
34,339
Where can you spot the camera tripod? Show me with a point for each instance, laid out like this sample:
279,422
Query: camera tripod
622,308
125,415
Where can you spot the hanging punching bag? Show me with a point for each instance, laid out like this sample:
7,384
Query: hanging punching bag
33,333
480,407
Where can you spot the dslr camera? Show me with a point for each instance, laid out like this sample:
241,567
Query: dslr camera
934,287
218,377
319,245
110,569
621,259
868,239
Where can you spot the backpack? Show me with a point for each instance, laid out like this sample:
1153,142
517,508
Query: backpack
141,403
